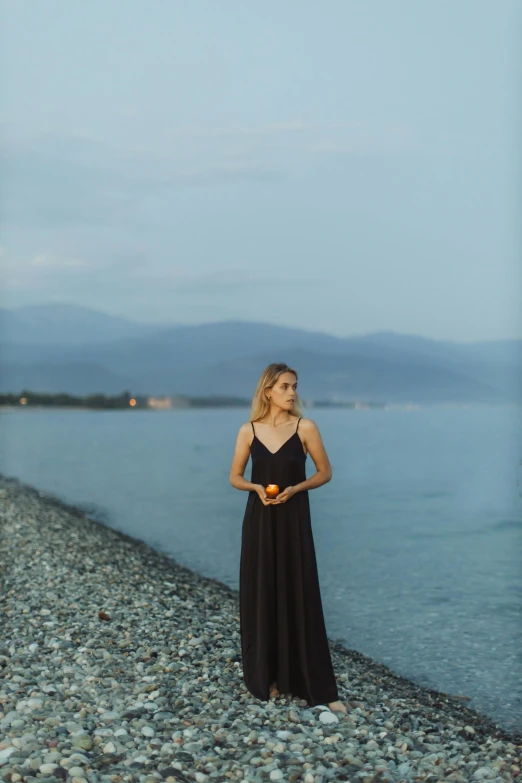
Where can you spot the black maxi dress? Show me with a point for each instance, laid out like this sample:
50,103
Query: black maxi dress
283,634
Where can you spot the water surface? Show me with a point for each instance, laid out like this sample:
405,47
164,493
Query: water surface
418,535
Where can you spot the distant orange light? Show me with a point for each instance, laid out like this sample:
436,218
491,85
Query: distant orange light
23,400
132,402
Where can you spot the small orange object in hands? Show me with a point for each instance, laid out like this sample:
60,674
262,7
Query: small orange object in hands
272,490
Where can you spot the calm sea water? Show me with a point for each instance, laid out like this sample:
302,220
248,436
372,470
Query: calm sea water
418,535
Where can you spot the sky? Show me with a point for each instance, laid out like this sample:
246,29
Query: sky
340,166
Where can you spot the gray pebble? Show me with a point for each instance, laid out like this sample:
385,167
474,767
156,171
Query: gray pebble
156,691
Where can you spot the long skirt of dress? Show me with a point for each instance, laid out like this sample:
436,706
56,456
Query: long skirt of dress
283,634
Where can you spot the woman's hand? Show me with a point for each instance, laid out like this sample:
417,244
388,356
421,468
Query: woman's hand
265,500
285,495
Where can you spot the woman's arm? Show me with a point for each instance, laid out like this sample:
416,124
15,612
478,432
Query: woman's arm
314,443
240,459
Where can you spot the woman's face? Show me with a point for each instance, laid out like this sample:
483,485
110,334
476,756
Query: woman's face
283,392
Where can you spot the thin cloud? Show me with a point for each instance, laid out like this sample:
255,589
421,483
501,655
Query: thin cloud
234,173
25,273
54,262
270,129
181,278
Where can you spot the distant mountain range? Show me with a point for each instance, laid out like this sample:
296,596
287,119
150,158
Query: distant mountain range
68,348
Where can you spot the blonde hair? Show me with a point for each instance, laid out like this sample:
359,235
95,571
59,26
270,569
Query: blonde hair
269,376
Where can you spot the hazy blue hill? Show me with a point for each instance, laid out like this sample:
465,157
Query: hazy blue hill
343,377
52,377
64,324
503,351
200,344
509,351
104,353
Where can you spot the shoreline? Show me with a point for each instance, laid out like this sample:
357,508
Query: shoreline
385,407
139,659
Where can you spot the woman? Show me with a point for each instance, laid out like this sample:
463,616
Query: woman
283,636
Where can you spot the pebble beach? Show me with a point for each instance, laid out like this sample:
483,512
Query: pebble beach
119,664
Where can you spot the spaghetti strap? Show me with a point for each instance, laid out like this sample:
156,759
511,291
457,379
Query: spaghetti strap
298,423
253,430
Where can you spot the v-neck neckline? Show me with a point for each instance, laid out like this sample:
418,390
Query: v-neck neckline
280,447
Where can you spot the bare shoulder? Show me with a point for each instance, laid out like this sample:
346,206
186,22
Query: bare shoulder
308,426
245,429
315,447
244,436
310,431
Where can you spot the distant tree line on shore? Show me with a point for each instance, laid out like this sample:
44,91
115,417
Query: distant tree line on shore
123,400
126,400
28,398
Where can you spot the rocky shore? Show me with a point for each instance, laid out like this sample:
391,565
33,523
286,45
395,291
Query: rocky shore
118,664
